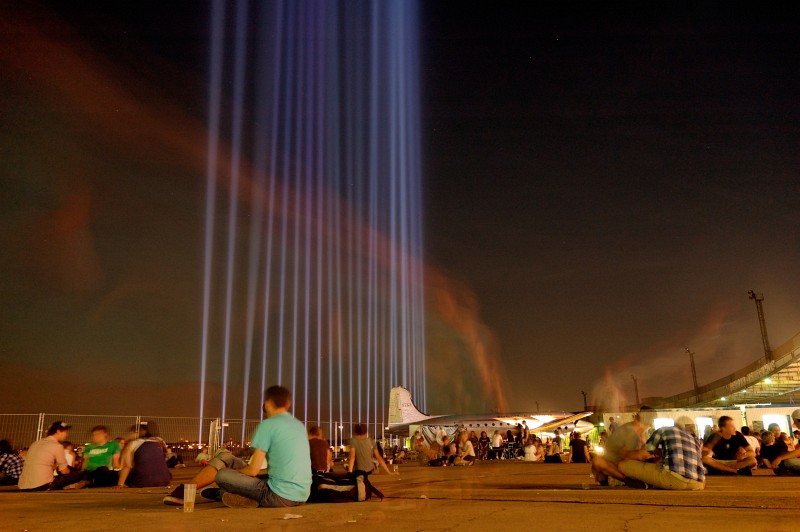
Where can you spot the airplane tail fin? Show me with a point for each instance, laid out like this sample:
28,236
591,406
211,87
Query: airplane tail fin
401,407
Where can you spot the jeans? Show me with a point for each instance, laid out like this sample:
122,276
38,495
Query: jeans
792,464
255,488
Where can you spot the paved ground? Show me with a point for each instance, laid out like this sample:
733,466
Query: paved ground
488,496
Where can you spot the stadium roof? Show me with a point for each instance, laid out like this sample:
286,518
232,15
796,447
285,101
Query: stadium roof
773,379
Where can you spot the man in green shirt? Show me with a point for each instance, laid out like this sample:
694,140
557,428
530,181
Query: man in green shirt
100,460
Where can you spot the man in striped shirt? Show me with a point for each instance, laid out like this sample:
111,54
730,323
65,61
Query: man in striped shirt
672,459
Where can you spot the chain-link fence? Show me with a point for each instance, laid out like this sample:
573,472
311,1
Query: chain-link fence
179,432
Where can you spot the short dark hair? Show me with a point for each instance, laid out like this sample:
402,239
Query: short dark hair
359,429
745,430
279,396
314,430
101,428
723,420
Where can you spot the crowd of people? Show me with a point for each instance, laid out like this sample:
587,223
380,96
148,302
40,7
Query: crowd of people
285,456
676,458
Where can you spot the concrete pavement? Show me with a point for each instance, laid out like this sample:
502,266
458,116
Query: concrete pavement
490,495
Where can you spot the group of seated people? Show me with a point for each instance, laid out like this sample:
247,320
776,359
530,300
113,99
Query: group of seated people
445,452
675,458
53,462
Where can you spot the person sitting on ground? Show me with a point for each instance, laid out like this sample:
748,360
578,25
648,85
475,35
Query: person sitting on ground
173,459
321,455
101,460
448,451
203,457
531,451
752,440
623,443
679,460
69,454
281,442
143,463
769,450
728,451
578,450
483,446
10,464
787,441
552,452
465,452
44,457
364,453
399,455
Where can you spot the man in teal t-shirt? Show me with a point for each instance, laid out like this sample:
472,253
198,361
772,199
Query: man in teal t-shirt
282,440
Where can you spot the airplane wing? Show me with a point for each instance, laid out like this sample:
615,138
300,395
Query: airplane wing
560,422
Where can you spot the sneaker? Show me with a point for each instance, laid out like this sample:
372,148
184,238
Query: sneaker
745,471
232,500
172,501
212,494
635,483
180,466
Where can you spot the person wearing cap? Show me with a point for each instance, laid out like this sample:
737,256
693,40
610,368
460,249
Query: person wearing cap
678,459
788,463
44,457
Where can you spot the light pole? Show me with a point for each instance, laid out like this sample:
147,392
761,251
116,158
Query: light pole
694,370
585,407
636,389
758,298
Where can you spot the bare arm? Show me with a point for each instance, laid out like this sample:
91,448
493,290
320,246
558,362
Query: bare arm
382,462
784,456
254,466
351,459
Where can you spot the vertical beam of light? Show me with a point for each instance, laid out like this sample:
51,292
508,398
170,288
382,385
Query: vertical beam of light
335,125
288,100
273,170
233,203
372,291
300,121
312,33
214,107
319,184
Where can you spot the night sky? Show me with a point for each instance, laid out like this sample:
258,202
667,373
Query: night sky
608,182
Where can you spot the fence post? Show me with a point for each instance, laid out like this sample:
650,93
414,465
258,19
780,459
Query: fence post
39,427
138,424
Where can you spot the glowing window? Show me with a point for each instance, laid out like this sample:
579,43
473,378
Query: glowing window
776,418
663,422
702,423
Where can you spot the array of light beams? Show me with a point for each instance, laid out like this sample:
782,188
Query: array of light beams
313,223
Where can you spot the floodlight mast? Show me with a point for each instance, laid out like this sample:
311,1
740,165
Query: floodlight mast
758,298
694,371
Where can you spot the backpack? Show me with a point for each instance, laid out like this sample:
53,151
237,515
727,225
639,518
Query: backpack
355,487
